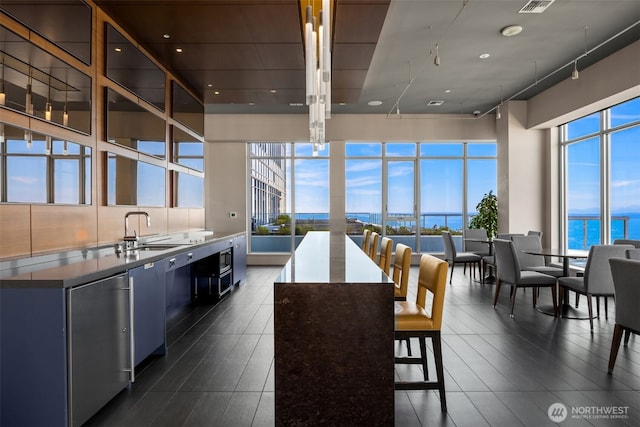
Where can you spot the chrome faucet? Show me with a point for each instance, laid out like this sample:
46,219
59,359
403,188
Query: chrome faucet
131,241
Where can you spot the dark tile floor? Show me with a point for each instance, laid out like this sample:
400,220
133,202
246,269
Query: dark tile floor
498,371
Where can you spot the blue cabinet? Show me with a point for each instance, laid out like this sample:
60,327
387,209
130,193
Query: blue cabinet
149,309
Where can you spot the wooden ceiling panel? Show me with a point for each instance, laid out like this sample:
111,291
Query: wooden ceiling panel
359,21
249,79
257,97
353,56
348,79
244,48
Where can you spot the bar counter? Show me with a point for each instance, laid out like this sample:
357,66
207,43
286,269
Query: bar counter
334,334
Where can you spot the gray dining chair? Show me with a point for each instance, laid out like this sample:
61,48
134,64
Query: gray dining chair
597,280
508,272
489,261
634,243
626,283
530,262
475,241
632,254
453,257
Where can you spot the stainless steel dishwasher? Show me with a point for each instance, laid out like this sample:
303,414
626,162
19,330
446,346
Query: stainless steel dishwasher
99,344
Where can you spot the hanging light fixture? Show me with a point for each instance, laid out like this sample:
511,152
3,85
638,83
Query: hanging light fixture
28,136
318,72
3,95
1,134
28,105
575,75
436,59
47,149
65,112
48,109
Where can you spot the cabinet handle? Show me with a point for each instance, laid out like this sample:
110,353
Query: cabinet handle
132,342
172,262
189,255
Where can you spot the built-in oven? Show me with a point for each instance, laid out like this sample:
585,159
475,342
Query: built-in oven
213,277
225,272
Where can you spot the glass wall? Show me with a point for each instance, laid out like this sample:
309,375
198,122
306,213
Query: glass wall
602,176
289,190
414,191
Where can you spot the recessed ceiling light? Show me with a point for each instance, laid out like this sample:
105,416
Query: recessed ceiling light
435,103
296,104
209,85
511,30
342,103
118,49
484,56
252,103
216,92
166,36
273,91
374,103
447,91
179,49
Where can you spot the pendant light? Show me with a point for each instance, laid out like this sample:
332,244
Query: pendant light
28,105
48,109
3,95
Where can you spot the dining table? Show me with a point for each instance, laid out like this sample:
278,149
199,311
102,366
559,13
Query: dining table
566,311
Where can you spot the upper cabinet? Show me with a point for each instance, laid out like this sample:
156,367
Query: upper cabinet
67,25
131,125
186,109
132,69
37,83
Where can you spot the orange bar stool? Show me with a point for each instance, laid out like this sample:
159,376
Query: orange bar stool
414,320
401,266
384,262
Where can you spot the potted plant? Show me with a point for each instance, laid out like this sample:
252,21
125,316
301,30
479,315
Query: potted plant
487,216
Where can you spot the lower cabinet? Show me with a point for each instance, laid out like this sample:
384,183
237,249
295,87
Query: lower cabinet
98,318
149,309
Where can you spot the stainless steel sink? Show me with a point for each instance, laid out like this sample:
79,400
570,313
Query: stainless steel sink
157,246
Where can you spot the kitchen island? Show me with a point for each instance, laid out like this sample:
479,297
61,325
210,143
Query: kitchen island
334,335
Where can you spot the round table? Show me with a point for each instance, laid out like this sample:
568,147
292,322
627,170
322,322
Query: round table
566,311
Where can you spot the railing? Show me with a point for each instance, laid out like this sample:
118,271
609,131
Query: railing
584,230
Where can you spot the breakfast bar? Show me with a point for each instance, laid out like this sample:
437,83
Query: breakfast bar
334,334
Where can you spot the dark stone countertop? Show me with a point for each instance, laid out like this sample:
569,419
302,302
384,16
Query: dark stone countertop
88,265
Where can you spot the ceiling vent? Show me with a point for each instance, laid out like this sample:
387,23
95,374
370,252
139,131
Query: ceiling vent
536,6
435,103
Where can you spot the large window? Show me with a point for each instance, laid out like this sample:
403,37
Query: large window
289,194
602,176
408,190
414,191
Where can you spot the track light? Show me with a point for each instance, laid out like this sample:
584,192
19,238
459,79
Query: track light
575,75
